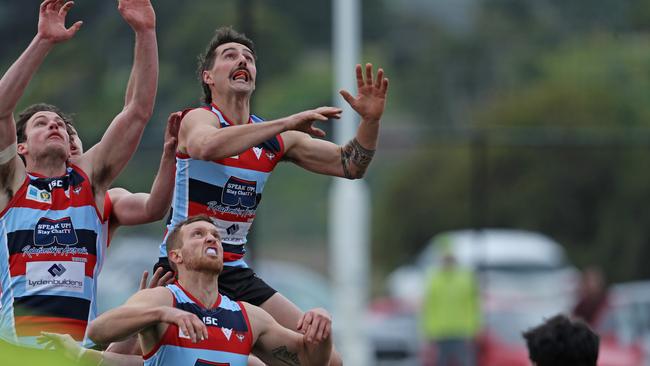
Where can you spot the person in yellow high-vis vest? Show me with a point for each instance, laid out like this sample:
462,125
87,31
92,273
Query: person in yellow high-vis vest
451,313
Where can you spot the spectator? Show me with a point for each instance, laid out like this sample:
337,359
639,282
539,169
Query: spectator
560,341
451,314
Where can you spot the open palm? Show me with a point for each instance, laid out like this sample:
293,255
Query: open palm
371,98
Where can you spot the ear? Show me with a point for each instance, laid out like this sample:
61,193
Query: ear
207,78
21,148
175,256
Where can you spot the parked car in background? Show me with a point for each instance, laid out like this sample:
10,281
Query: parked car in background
523,277
500,257
624,325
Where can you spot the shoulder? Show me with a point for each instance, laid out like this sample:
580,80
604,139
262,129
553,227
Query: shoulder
199,114
156,296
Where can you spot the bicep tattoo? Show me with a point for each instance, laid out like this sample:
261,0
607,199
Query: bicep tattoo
287,357
357,154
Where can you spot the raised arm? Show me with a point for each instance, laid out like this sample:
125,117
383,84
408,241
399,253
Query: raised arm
202,138
352,160
277,345
122,137
142,208
51,30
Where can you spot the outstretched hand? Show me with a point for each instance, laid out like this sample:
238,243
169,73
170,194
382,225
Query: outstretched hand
171,132
371,98
304,121
139,14
51,21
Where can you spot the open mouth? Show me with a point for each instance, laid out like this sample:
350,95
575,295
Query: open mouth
241,75
212,252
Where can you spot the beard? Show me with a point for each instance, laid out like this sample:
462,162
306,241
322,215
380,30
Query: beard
52,154
203,264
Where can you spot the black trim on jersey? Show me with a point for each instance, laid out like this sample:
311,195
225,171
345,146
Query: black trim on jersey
52,306
230,248
20,239
202,193
225,318
73,178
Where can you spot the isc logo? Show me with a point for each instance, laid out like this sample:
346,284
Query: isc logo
208,320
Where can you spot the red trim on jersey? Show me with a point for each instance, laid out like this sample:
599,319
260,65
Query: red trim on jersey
30,326
248,323
108,211
85,196
231,257
194,209
18,266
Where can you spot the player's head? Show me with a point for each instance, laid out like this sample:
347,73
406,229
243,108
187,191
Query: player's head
560,341
76,146
228,63
194,244
41,132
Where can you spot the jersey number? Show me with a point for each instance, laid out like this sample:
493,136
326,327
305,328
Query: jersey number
200,362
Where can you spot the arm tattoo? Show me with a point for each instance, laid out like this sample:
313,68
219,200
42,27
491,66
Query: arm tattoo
359,155
288,358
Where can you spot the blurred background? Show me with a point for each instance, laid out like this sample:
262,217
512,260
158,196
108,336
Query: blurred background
516,130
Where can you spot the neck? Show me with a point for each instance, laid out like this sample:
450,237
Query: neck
236,107
47,166
204,286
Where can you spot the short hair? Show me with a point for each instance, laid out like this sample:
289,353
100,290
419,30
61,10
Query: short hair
206,59
27,113
560,341
174,240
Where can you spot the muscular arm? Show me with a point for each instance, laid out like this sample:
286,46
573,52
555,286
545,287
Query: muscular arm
142,310
51,30
141,208
351,160
202,138
277,345
125,131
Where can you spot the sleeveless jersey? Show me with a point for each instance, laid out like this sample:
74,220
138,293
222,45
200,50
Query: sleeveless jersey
228,190
229,342
52,246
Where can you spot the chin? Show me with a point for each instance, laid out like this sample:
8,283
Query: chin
207,265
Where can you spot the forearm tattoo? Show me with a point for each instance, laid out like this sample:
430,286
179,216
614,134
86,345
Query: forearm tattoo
288,358
359,155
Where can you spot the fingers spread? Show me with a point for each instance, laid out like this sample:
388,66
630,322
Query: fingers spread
143,280
380,78
65,8
359,73
368,74
347,96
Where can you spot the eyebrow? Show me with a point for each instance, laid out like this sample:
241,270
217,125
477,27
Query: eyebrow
246,49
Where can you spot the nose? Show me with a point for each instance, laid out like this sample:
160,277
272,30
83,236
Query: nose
211,239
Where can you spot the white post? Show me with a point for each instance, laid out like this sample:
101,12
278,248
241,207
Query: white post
349,223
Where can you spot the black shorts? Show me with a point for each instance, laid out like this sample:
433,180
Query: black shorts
237,283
